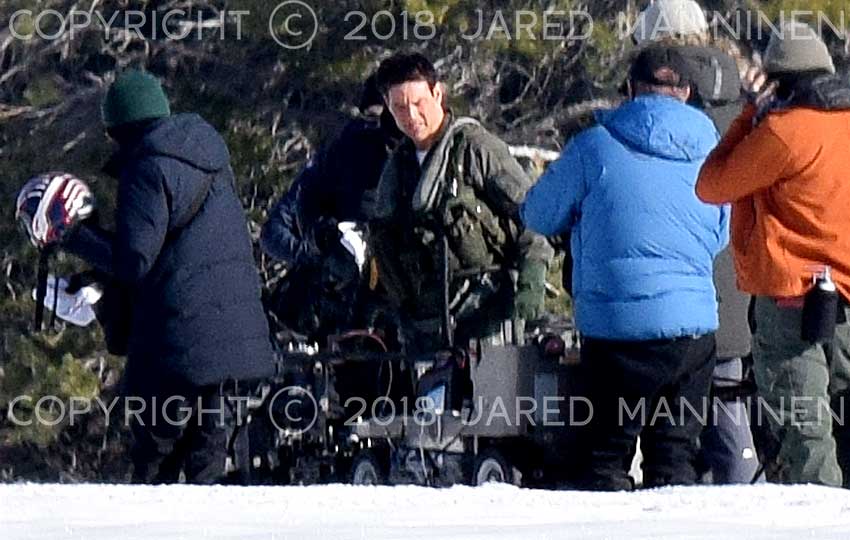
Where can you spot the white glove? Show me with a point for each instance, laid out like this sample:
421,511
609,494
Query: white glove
352,241
74,308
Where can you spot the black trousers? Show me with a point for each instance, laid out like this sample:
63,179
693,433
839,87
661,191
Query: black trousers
195,434
657,390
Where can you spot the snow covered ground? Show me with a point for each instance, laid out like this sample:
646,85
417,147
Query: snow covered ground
493,512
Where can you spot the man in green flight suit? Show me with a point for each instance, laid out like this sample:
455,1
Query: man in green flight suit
451,184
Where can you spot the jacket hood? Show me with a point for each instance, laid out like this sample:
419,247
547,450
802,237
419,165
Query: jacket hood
827,92
663,127
188,138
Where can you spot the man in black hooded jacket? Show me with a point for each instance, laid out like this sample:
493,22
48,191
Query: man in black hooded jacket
727,448
322,292
197,335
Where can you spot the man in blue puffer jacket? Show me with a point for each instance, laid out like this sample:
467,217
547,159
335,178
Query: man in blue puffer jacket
643,248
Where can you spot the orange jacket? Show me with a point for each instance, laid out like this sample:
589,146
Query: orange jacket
789,181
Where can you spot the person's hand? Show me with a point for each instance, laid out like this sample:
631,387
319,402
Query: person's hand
759,89
326,234
531,290
754,79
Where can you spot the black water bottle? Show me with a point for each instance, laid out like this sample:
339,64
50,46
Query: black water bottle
820,310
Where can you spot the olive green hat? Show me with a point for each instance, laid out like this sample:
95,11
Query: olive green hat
135,95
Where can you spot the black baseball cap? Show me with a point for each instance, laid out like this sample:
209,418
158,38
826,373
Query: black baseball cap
650,60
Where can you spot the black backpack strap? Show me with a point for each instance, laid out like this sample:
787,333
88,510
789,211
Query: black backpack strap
717,90
197,203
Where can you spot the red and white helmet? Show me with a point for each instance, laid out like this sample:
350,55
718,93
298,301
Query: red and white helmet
50,204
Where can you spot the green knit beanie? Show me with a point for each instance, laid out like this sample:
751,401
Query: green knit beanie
134,96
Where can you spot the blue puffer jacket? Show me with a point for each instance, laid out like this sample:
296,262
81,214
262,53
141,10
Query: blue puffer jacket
643,245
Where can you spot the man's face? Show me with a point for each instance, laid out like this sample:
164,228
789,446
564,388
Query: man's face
417,110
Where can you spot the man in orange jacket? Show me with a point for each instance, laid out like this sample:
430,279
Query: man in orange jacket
784,165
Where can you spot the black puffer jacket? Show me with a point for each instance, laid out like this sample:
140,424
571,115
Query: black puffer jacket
329,190
823,92
197,318
284,236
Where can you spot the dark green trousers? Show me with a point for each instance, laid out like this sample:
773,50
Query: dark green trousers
803,391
